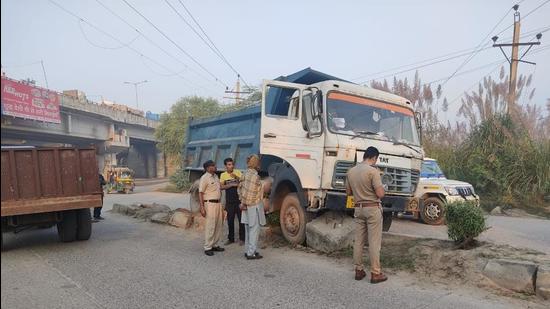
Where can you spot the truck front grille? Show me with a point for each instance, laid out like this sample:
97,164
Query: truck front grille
401,181
340,170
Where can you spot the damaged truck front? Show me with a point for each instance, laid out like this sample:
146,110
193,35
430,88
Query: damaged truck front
309,130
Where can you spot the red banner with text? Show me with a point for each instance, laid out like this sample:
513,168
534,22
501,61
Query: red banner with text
29,102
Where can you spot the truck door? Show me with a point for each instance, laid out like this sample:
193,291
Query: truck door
291,128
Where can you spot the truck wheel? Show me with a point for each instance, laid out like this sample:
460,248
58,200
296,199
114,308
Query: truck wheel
84,220
67,228
293,220
433,212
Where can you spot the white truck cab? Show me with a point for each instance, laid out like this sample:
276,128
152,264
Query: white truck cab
309,130
436,190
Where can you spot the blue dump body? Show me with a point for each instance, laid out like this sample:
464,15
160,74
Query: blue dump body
237,134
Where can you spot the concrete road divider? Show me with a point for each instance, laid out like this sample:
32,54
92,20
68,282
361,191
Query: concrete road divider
518,276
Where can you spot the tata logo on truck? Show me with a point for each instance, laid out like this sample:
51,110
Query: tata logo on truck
384,160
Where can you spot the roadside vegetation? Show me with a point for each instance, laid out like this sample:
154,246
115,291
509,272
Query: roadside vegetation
505,156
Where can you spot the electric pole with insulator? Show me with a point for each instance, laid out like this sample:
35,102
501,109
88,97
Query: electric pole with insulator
514,59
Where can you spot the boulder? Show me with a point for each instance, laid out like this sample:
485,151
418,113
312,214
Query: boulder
518,276
543,282
131,210
161,217
120,208
194,197
330,232
147,211
182,218
496,211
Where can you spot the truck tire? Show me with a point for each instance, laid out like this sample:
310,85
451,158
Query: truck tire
293,219
433,212
84,224
67,228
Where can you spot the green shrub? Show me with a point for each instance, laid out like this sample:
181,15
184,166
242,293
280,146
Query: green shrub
181,180
465,221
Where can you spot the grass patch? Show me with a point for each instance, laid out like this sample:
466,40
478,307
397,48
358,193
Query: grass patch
273,219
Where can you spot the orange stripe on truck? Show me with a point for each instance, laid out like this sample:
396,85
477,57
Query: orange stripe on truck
370,102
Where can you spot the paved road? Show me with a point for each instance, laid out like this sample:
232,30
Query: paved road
517,232
132,264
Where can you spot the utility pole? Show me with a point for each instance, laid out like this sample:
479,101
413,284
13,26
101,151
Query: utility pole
136,88
237,91
514,59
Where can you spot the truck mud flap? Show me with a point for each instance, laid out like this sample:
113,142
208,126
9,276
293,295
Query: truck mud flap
386,221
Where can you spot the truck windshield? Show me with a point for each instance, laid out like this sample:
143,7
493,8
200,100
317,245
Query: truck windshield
357,116
430,169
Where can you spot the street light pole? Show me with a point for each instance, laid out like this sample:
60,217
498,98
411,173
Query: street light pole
136,88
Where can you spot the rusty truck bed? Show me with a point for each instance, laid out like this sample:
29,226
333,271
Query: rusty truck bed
42,180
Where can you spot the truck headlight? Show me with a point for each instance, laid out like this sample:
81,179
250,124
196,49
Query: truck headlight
451,190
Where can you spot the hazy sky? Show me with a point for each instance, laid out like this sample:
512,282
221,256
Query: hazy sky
260,39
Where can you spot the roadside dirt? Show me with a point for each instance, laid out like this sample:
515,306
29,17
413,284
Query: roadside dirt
434,261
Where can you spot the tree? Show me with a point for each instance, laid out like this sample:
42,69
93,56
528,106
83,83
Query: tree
172,129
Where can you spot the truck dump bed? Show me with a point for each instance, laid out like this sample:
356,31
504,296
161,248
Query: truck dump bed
38,180
235,135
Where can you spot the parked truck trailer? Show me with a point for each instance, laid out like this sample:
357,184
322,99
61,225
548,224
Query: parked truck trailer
310,129
50,186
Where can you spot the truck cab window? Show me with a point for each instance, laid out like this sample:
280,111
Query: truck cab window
282,102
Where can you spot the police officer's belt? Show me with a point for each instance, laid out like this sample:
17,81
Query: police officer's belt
366,204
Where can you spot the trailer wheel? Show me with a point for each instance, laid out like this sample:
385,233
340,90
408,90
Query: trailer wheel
84,220
433,212
293,220
67,228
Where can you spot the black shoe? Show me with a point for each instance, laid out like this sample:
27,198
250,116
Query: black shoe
256,256
99,218
218,249
209,252
227,243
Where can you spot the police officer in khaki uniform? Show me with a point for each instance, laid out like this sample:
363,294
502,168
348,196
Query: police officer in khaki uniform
365,184
211,208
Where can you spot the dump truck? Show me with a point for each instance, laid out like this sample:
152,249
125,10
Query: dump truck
43,187
309,130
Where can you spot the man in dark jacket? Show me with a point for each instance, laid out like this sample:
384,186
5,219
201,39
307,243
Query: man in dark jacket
97,210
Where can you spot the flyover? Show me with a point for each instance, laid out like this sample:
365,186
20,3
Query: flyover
121,136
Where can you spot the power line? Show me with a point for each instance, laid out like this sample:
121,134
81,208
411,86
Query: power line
537,51
154,44
528,13
466,72
210,44
478,48
113,37
175,44
99,46
453,55
420,66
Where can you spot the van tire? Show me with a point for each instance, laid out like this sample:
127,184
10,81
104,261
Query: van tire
433,211
293,219
84,221
67,228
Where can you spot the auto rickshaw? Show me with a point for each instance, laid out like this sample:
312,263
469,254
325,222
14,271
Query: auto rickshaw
121,180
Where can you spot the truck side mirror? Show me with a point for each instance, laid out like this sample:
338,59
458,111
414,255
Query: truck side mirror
311,115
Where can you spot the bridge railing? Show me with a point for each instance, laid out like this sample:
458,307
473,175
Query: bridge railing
107,111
